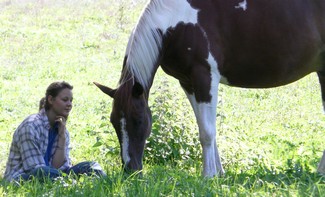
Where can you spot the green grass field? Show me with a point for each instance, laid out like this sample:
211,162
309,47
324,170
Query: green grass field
270,140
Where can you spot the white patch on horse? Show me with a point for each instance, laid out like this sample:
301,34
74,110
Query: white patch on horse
242,5
216,77
215,74
125,142
146,40
206,118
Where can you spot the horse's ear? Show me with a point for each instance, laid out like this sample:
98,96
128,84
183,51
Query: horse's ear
137,90
109,91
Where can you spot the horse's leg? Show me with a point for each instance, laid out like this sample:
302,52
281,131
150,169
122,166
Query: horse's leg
205,112
206,118
321,76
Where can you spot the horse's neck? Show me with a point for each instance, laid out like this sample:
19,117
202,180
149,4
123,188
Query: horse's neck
128,81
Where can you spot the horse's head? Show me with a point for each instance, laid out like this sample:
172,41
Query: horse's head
131,118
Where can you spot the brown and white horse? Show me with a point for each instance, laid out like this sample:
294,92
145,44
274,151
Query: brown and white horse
242,43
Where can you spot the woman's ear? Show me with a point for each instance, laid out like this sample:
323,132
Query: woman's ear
50,99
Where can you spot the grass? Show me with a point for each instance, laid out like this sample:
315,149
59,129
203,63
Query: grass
271,140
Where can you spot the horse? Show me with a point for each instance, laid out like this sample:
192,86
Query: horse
240,43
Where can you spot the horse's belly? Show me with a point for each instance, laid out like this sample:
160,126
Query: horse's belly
263,78
270,44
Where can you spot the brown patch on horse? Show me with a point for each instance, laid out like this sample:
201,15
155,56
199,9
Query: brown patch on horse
270,44
185,57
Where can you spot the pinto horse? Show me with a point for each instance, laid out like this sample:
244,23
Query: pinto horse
242,43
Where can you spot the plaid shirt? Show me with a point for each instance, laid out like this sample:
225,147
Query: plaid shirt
29,145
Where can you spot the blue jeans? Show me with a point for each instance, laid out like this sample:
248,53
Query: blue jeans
87,167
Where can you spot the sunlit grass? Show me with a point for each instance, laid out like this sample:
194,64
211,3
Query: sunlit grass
270,140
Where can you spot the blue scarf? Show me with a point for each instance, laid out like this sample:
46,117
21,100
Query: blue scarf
53,132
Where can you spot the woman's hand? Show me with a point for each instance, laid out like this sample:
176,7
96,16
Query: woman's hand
61,126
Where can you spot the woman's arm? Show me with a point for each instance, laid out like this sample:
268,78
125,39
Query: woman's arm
59,157
29,148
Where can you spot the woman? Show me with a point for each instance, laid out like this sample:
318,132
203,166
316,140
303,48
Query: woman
40,145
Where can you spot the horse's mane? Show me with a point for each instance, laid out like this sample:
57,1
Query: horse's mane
145,42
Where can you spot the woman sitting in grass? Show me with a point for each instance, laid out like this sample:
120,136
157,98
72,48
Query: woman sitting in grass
40,145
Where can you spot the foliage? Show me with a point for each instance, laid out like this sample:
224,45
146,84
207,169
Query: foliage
173,138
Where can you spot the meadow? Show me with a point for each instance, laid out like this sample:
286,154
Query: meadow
270,140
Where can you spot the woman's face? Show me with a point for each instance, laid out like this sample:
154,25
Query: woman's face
62,103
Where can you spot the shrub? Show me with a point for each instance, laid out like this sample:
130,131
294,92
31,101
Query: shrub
173,137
